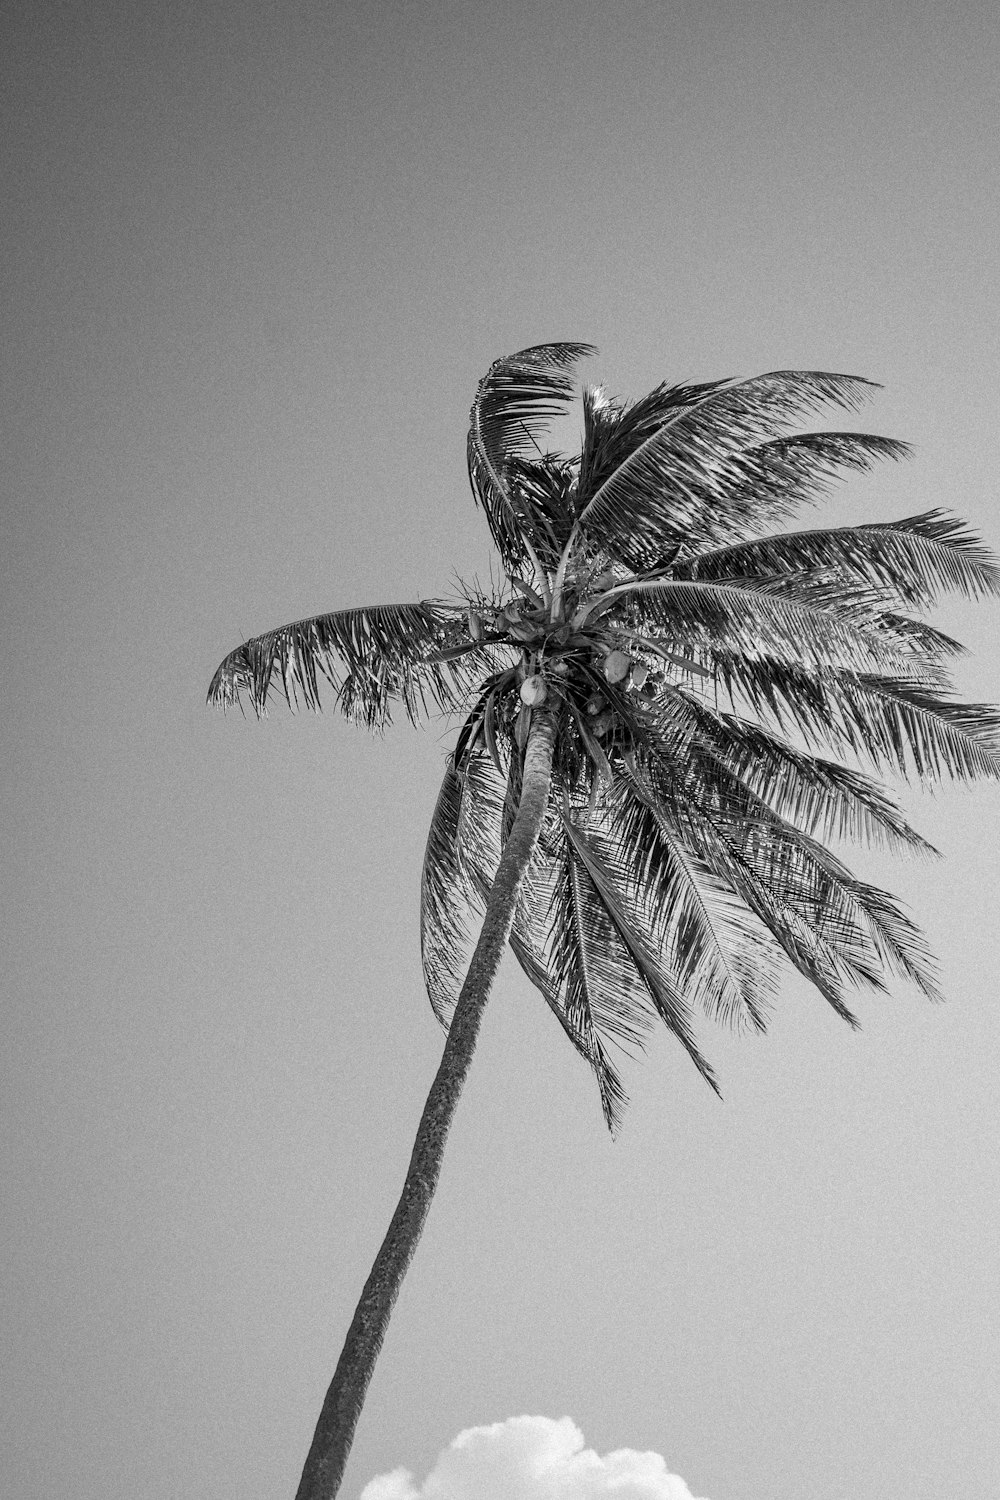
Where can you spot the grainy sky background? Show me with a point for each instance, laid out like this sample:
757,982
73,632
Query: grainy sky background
254,259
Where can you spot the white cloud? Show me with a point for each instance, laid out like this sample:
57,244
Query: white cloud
532,1458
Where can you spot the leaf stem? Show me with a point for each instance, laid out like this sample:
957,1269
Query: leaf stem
540,573
560,578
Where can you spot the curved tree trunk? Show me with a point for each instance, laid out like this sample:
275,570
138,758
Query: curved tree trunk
331,1444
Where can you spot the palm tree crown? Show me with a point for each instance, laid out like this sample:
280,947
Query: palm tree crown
695,662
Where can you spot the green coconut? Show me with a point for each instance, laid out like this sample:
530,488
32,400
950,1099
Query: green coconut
533,690
617,666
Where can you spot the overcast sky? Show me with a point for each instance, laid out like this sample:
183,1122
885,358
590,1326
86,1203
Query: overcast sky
255,257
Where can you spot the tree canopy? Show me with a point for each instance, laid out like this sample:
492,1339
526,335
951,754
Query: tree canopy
727,697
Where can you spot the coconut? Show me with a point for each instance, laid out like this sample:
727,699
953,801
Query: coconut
475,625
617,666
533,690
639,674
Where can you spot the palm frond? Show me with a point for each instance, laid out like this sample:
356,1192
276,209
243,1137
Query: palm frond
898,724
807,946
830,923
368,657
713,948
515,402
913,560
771,481
821,797
769,618
474,809
598,861
658,496
900,943
917,731
928,647
834,929
448,900
488,725
570,954
613,430
588,1042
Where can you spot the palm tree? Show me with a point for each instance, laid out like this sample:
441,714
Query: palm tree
636,801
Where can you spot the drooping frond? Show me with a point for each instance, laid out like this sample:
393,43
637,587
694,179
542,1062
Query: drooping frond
609,882
808,946
836,930
448,901
463,852
716,952
570,953
897,725
714,800
861,924
662,494
928,648
913,560
515,402
824,799
368,656
914,730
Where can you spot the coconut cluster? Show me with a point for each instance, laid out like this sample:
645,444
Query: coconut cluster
551,649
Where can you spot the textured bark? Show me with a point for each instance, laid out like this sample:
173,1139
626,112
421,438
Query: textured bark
324,1468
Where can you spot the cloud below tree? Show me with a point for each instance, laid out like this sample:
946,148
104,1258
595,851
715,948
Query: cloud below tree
532,1458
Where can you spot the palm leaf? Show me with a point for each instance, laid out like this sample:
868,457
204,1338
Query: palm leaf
613,430
912,559
659,495
598,861
470,821
903,725
368,656
713,949
832,927
771,481
514,403
858,929
571,955
806,946
819,796
768,618
917,731
448,899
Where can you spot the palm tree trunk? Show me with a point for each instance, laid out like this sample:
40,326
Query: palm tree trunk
331,1444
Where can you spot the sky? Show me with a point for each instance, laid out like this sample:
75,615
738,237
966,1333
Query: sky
254,259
